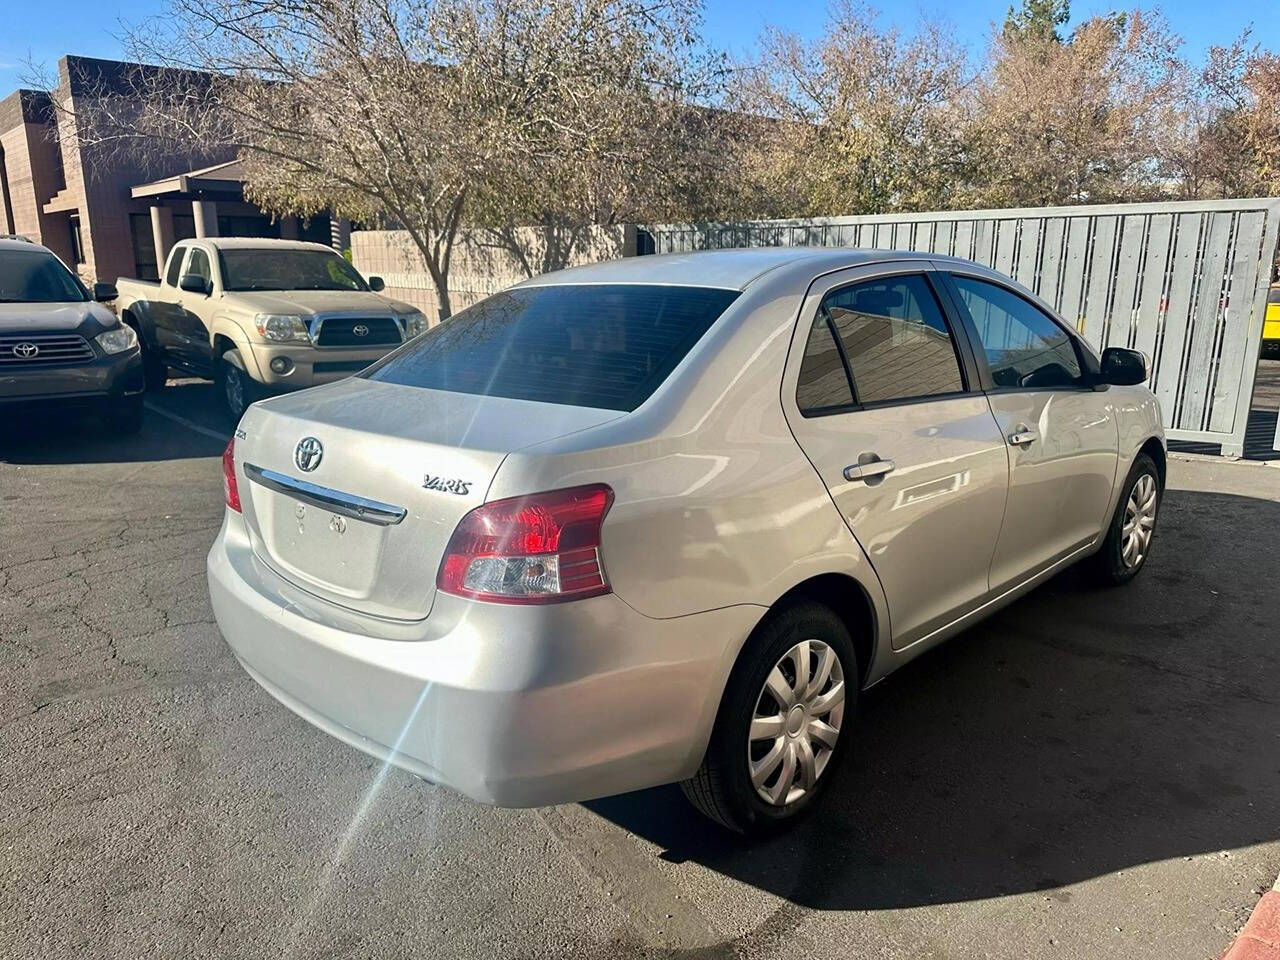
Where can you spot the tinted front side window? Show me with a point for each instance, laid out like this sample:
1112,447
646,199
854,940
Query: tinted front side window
175,266
895,338
199,265
1023,345
589,345
34,276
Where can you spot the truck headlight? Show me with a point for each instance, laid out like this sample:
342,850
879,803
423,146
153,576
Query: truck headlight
282,328
117,339
414,324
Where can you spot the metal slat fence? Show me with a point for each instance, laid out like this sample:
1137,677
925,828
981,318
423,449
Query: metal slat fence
1185,282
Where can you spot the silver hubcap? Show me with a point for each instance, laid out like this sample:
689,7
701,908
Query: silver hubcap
235,389
1139,521
796,722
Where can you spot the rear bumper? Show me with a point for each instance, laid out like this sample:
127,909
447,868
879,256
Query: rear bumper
107,379
515,706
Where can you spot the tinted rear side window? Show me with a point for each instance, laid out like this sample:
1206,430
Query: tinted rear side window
589,345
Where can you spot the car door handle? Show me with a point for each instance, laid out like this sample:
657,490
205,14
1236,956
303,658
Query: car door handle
1023,434
868,471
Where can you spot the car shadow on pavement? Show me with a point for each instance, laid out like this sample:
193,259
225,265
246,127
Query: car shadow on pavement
1078,732
66,438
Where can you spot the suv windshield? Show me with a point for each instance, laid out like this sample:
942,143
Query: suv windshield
267,269
37,276
587,345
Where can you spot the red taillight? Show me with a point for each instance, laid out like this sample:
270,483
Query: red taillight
229,486
542,548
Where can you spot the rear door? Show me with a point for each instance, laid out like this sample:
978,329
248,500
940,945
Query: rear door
882,396
1061,434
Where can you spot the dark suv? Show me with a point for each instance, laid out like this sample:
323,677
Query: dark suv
58,348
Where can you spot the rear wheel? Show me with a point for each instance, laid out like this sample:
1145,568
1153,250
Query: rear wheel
783,723
236,389
1132,528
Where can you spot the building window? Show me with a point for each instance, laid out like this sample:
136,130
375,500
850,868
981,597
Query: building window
77,243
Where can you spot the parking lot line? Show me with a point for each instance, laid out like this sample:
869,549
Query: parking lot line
190,425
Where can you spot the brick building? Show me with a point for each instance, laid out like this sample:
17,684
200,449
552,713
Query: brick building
107,214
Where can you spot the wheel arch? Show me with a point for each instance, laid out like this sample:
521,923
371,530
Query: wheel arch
845,596
1153,448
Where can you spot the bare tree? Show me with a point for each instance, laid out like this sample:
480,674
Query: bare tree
1075,120
858,121
429,114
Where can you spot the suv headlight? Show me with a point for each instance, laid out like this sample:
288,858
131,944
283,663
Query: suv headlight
282,328
117,339
414,324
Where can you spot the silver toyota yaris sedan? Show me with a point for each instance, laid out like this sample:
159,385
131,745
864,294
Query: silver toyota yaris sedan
662,519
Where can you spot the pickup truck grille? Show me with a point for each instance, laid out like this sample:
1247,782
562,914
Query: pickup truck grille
43,350
358,332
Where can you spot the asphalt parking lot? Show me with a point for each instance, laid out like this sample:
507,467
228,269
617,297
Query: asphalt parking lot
1089,774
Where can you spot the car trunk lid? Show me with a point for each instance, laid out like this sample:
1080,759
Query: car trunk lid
353,490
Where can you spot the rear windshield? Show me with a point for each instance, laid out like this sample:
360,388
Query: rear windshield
591,345
36,276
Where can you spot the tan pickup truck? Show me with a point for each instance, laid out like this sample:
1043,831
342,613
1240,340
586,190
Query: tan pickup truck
259,316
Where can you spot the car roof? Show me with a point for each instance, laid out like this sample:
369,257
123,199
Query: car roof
21,243
726,269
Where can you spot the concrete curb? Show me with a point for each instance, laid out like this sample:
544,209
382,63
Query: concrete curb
1260,938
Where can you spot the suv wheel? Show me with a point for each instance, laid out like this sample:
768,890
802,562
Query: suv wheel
784,722
1133,526
236,389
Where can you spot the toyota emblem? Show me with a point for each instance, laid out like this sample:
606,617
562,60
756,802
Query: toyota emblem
25,350
360,330
308,454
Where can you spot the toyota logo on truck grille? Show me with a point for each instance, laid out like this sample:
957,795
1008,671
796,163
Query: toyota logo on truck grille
25,350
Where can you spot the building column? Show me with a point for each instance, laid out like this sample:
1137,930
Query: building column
339,233
162,234
289,228
206,214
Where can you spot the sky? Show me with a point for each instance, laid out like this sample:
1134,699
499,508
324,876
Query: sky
44,30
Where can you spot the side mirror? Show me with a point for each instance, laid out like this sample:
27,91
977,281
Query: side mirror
194,283
1122,367
376,284
104,292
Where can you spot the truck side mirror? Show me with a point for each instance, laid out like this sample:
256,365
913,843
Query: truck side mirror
194,283
104,292
376,284
1122,367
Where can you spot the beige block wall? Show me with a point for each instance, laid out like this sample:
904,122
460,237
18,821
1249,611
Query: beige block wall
479,267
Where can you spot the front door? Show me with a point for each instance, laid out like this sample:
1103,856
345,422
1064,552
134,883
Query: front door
1061,433
193,342
882,396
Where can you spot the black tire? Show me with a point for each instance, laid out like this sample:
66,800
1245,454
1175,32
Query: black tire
236,389
1110,566
126,418
722,788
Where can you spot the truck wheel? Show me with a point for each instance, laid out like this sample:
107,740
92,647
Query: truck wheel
126,418
154,370
236,389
